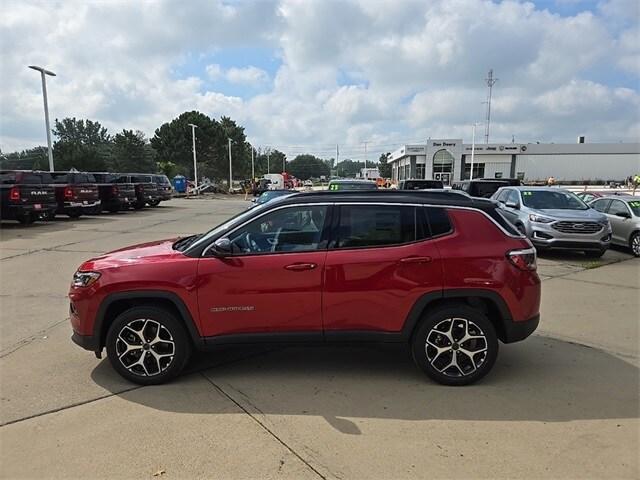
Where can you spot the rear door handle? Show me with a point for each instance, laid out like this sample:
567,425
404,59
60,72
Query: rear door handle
298,267
415,260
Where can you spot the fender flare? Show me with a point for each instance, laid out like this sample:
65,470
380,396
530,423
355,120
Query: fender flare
179,304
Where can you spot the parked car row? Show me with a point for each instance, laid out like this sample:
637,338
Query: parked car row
27,196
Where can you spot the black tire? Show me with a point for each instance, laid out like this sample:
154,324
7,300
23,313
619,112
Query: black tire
521,229
472,368
154,203
113,209
26,219
594,253
634,244
74,214
138,205
145,319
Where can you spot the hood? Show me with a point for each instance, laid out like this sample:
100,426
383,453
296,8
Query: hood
578,215
144,252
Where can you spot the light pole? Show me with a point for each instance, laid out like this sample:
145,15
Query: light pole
268,153
44,72
473,148
230,171
195,165
253,170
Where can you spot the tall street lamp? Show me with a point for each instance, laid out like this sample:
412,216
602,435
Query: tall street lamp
195,165
473,148
230,168
43,73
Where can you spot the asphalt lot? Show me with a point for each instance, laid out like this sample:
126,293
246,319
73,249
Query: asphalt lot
563,403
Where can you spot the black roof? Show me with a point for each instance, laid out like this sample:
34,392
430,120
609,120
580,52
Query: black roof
432,197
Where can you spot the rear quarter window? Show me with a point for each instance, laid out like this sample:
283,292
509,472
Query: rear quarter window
439,223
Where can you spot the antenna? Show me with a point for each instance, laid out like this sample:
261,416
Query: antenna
490,83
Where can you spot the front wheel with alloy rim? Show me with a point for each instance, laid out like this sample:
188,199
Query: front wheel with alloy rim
455,345
635,244
147,345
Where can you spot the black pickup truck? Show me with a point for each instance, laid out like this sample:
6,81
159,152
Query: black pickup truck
114,195
165,190
146,189
26,196
76,193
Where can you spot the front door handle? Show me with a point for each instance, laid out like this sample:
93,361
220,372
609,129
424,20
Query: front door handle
298,267
415,260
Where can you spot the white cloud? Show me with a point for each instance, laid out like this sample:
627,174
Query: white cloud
351,71
248,76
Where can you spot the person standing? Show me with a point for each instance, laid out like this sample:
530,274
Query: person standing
636,182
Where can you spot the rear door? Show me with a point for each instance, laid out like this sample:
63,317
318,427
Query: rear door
380,261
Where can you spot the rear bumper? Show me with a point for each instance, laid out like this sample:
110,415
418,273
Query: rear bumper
18,210
82,204
516,331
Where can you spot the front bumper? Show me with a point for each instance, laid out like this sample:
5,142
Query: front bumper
516,331
88,342
545,237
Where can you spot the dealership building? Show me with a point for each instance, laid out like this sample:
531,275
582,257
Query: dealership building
449,160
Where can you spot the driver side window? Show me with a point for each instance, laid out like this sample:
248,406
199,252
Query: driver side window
292,229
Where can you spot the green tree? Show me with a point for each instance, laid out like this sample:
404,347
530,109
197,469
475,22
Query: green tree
383,167
349,168
31,159
131,153
172,142
81,144
308,166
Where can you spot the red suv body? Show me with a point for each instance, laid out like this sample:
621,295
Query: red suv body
441,271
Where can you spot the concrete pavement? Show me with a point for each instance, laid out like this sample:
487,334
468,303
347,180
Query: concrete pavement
564,403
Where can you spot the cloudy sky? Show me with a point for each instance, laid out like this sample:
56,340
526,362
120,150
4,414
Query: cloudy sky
303,76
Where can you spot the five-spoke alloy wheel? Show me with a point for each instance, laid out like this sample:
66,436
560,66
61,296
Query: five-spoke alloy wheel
147,345
455,345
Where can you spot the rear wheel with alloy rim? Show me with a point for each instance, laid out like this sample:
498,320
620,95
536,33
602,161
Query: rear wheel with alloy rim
455,345
635,244
147,345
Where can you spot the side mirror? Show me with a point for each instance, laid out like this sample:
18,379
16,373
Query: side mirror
221,247
512,205
623,214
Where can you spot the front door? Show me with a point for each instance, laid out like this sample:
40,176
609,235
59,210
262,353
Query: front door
272,281
621,226
380,263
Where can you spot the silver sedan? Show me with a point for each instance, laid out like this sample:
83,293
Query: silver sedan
623,213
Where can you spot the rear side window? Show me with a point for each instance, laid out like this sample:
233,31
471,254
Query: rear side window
617,206
60,177
439,223
601,205
84,178
376,225
142,178
7,178
513,197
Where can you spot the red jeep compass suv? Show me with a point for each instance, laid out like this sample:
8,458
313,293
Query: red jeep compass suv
441,271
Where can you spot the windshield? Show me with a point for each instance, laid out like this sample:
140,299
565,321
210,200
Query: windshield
353,186
634,205
420,184
271,194
552,200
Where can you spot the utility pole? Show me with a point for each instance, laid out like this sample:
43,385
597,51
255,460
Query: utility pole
284,164
490,83
44,72
268,167
230,171
253,170
337,159
195,165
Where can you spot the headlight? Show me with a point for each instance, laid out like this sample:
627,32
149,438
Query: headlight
84,279
539,219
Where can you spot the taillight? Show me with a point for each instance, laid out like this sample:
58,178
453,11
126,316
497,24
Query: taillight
524,259
114,189
14,194
68,192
